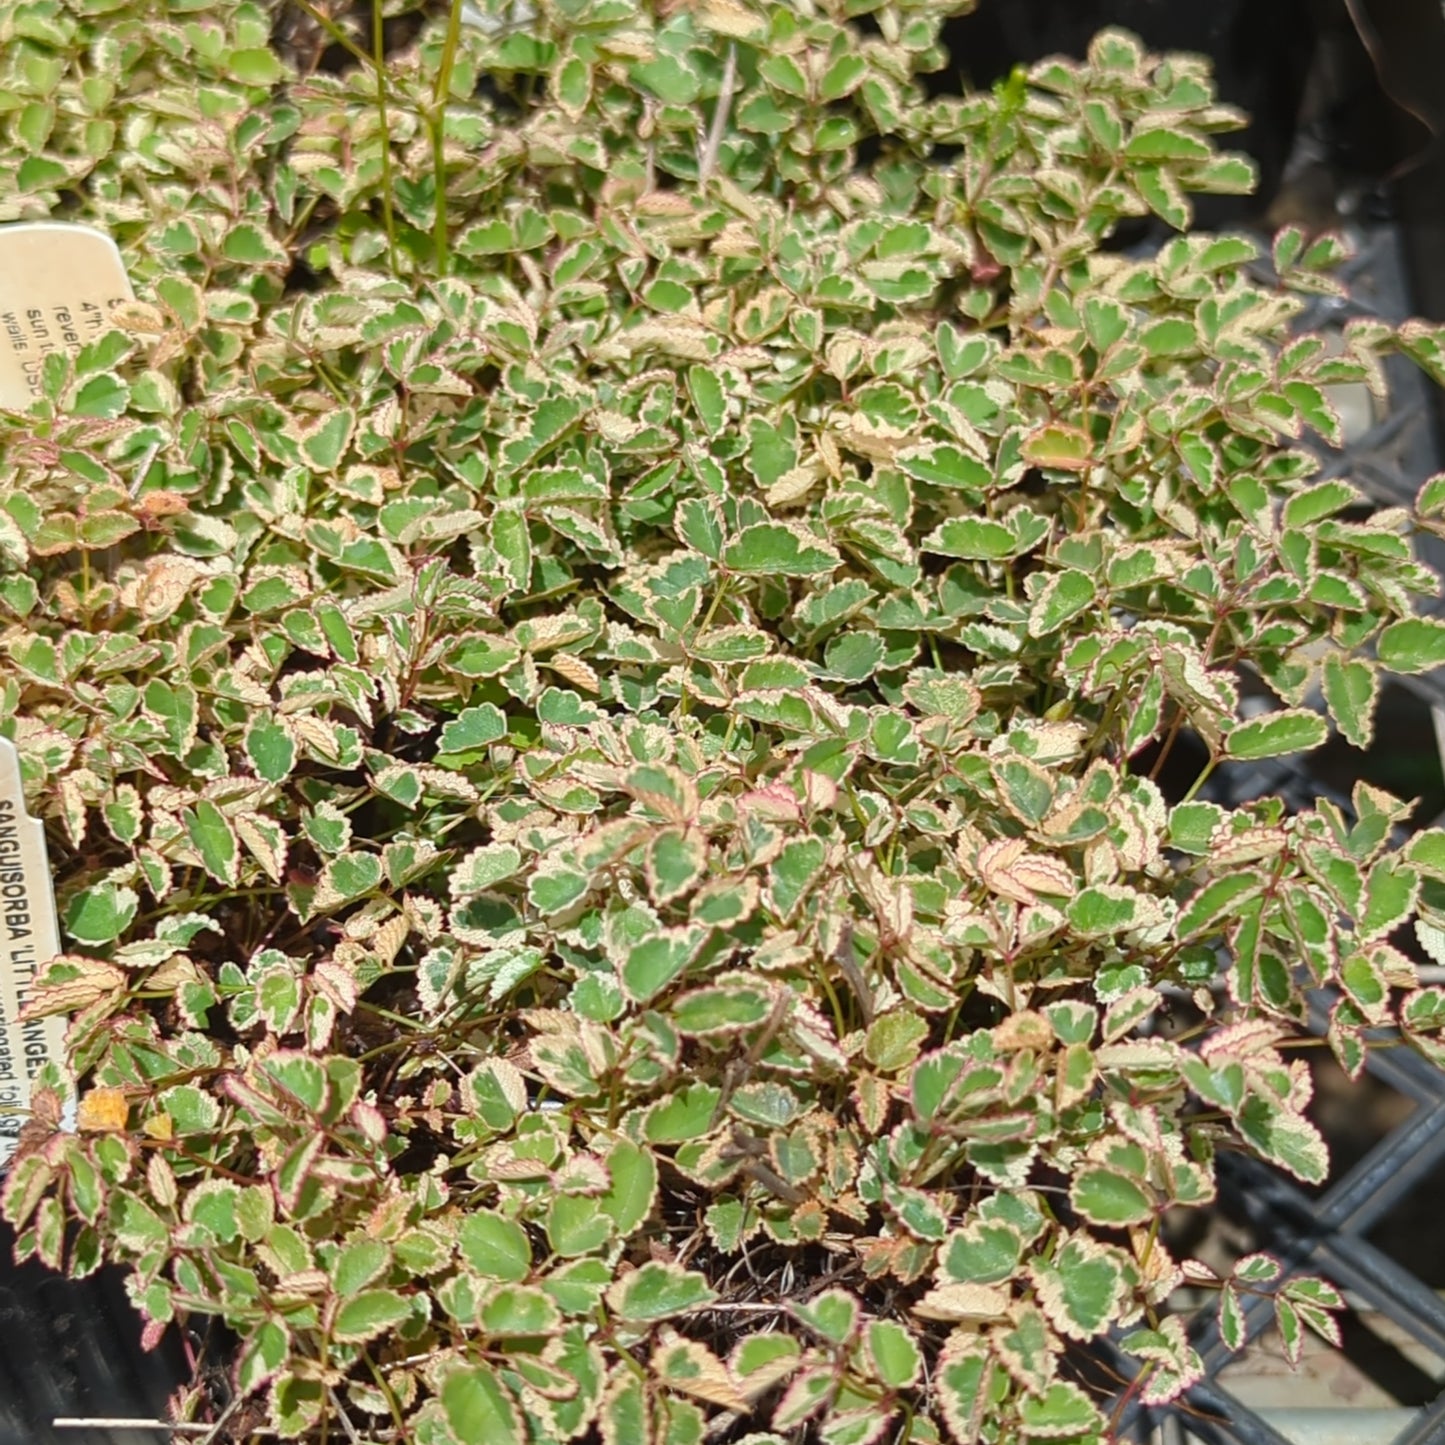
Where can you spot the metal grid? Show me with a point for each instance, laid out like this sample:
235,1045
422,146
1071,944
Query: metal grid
1328,1234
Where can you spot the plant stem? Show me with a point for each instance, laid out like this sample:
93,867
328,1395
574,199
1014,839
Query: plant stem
713,144
1168,745
378,44
1200,781
440,96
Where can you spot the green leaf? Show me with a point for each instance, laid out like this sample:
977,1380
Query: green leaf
564,708
676,861
633,1187
556,888
473,728
484,868
854,656
326,444
278,996
1215,900
1161,193
1351,688
512,542
1290,730
271,749
1104,909
981,1253
894,1355
1364,983
1315,409
683,1116
1166,144
214,839
482,656
833,1314
300,1076
247,243
1426,850
1233,1328
1105,320
1170,337
104,529
1062,448
779,550
1192,825
708,1011
175,708
1062,598
352,875
656,1291
495,1246
655,962
964,1378
255,67
793,873
577,1287
761,112
1314,503
1080,1290
478,1408
358,1264
103,396
100,914
368,1314
1104,1196
124,814
668,78
920,1211
975,538
667,296
1062,1410
842,77
576,1225
1415,645
262,1356
708,399
894,1039
519,1310
698,526
625,1415
1287,1138
40,173
1390,893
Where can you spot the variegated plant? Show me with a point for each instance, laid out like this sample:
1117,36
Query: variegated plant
587,647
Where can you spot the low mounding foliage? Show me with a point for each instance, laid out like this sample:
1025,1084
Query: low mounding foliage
587,647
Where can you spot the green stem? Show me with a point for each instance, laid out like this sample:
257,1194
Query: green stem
440,96
1200,781
719,592
378,46
336,33
833,1001
392,1403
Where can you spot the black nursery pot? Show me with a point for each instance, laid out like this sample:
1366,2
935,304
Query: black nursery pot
73,1348
1260,54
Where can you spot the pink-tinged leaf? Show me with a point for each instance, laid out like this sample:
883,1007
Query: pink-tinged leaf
1291,1332
1232,1328
262,1356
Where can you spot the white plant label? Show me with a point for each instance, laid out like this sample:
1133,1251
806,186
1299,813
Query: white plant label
29,939
58,286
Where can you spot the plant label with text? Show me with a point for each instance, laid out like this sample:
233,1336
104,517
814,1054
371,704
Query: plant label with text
29,939
58,286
